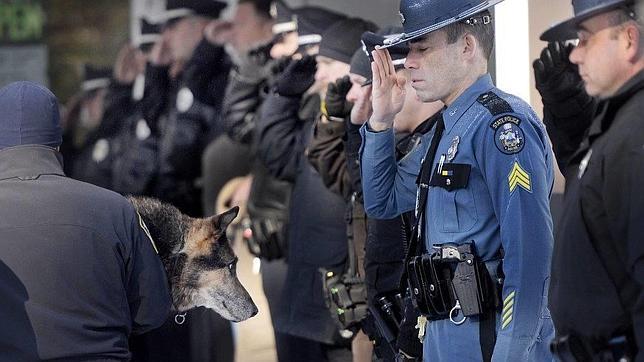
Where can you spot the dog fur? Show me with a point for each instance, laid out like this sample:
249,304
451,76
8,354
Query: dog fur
198,259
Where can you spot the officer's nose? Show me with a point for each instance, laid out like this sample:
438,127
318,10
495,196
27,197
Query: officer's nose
411,62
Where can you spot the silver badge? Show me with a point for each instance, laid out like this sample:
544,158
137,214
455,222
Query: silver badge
453,148
184,99
402,18
142,130
101,150
138,89
583,165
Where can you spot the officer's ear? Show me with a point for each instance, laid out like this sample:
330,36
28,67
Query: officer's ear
470,46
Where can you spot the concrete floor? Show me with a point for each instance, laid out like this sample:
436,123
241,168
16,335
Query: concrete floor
254,337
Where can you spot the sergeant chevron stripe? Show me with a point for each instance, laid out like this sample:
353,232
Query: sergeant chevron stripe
508,309
519,177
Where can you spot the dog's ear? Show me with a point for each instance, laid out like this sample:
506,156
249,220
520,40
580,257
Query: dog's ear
223,220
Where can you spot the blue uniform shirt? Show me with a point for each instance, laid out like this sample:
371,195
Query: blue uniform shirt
495,175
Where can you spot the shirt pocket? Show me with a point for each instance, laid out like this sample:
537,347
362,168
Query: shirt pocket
458,210
456,204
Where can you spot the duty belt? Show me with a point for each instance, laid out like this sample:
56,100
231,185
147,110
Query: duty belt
453,282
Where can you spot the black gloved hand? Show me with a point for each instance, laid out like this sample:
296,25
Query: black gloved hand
555,76
335,103
298,76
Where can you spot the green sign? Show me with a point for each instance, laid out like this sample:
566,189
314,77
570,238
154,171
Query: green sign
21,21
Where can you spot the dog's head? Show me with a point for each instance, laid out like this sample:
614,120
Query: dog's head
208,275
199,262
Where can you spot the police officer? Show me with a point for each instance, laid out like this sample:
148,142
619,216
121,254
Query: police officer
85,148
597,271
486,182
78,273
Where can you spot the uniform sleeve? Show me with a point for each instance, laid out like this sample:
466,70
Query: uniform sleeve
567,121
327,155
147,287
352,145
516,162
388,190
280,136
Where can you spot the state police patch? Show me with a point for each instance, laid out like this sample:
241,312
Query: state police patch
508,137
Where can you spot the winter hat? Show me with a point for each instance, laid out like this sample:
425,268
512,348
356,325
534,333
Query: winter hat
29,116
341,40
312,21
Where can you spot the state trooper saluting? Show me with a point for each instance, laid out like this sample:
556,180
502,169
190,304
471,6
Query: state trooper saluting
485,176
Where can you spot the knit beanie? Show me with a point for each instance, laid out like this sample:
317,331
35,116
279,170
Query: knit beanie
341,40
29,116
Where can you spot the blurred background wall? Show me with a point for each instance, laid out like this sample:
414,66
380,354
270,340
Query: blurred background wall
79,32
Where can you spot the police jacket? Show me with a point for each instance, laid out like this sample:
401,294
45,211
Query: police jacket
316,231
135,163
78,274
246,91
92,161
598,268
491,181
188,125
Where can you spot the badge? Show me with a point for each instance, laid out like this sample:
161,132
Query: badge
184,99
453,148
138,89
142,130
101,150
508,137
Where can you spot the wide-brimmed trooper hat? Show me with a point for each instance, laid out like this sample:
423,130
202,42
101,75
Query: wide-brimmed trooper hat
583,10
421,17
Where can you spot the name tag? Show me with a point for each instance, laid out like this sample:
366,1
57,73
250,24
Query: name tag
451,176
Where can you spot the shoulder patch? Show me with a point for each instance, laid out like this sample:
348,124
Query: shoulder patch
508,136
518,177
495,104
147,232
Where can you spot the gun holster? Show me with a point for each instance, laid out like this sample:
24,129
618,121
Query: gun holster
450,280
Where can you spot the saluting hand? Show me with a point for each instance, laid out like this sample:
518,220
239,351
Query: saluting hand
388,92
555,76
130,62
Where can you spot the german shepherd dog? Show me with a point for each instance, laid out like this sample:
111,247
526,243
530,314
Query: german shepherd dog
198,259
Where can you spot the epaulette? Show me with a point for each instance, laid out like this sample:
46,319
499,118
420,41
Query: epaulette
495,104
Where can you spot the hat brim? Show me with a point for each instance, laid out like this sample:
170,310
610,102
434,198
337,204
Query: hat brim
567,29
405,37
169,15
